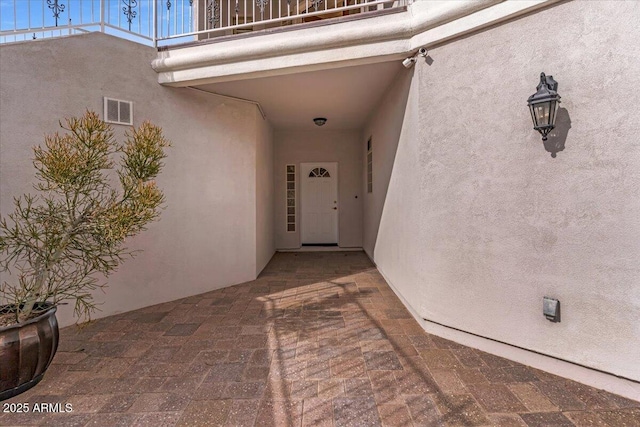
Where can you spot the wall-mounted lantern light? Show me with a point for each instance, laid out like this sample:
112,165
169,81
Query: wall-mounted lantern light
544,105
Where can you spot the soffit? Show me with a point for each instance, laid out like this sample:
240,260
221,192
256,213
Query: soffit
345,96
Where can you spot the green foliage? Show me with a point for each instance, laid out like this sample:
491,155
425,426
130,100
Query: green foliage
55,244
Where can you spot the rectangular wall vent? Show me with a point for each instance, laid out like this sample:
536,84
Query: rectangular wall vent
118,111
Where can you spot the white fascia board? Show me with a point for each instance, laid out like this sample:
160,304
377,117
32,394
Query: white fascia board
286,64
370,40
427,14
500,12
297,42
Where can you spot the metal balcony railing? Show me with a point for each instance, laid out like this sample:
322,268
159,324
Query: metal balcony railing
162,22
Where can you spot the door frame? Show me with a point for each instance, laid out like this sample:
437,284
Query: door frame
305,168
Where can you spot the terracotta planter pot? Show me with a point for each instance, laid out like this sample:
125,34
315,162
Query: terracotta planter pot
26,351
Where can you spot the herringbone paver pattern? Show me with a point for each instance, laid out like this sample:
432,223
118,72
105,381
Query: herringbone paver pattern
318,340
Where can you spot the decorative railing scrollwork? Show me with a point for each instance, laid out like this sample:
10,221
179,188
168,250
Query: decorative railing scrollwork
213,14
262,4
57,8
129,12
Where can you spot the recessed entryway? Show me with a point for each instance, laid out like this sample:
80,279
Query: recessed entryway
319,203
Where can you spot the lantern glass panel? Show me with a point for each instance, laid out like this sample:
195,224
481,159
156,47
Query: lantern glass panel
533,115
554,112
542,113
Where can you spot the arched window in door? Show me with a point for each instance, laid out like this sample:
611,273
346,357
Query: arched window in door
319,173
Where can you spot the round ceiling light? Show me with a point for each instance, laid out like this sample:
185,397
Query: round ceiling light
320,121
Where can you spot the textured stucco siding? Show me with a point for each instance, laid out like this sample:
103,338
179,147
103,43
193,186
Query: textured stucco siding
479,222
206,237
388,123
265,239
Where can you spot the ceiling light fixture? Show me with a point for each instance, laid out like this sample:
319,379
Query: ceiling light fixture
320,121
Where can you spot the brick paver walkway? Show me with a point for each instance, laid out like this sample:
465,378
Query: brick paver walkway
319,339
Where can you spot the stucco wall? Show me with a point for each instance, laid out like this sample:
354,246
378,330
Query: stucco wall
206,237
265,240
480,222
344,147
386,125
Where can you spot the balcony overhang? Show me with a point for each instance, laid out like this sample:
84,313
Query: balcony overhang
380,37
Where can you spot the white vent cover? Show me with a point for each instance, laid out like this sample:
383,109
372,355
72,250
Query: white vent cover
118,111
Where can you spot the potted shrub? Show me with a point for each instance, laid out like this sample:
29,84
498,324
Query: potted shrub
57,245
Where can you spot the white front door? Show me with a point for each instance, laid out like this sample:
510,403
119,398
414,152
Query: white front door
319,203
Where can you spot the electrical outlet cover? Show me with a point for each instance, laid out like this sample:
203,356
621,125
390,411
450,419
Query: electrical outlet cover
551,309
